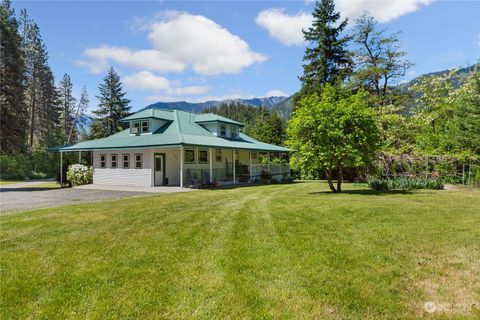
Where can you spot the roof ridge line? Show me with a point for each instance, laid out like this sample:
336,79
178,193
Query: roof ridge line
178,126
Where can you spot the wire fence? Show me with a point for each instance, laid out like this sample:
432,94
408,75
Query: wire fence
450,169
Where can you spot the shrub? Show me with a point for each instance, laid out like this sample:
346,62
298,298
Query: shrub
405,184
79,174
23,166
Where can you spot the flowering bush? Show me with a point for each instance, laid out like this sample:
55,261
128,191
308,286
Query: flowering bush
79,174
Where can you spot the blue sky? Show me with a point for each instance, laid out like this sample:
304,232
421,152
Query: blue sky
197,51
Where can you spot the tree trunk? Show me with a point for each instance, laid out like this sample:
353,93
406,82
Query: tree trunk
32,118
329,179
340,178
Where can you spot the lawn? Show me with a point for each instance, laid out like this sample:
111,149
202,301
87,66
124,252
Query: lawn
5,182
269,252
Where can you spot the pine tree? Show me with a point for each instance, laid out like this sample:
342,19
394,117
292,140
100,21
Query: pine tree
13,110
67,106
41,96
327,60
112,108
77,120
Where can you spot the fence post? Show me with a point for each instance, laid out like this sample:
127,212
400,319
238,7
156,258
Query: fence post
426,168
469,173
463,173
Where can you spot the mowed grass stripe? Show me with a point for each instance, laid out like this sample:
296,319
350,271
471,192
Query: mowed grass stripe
271,252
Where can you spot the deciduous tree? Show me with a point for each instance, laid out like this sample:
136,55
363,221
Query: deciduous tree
333,131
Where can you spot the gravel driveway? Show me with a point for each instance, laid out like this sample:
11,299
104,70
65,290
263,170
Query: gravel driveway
14,198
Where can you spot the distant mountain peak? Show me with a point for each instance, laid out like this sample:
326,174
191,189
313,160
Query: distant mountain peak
268,102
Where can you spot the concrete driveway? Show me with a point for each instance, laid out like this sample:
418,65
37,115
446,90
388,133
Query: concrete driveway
19,197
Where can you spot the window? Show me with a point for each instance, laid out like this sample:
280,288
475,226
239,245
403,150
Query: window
103,161
138,161
202,156
144,126
135,127
218,155
126,161
253,154
113,161
223,130
233,132
189,155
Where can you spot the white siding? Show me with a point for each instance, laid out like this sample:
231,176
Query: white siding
123,177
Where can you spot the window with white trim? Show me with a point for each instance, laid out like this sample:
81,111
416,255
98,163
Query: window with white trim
126,161
113,161
103,161
135,129
138,161
218,155
145,127
203,156
190,156
223,130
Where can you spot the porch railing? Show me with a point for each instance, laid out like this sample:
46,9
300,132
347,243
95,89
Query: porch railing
271,169
242,173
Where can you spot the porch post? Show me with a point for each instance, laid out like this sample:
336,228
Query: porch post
250,164
61,169
181,167
211,164
79,157
233,165
289,170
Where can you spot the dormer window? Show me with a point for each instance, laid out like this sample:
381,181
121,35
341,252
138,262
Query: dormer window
135,129
223,130
234,132
145,128
140,127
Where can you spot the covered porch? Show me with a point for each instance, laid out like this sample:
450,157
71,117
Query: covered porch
184,166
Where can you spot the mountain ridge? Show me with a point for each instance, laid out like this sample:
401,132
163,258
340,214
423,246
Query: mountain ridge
198,107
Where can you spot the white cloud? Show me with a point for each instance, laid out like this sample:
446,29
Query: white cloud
383,11
276,93
100,58
285,28
196,40
288,28
179,40
189,90
145,80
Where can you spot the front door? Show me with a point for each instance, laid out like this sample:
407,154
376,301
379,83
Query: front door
159,174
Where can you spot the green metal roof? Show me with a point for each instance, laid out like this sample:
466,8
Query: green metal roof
212,117
151,113
183,129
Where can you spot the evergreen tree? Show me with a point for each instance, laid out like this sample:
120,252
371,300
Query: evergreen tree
41,96
78,118
327,60
67,105
260,122
270,129
13,110
112,108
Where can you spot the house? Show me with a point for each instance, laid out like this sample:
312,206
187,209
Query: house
178,148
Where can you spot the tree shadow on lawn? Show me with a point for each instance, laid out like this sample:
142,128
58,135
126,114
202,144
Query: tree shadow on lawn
366,192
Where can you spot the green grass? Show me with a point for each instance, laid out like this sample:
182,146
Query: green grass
46,185
264,252
5,182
